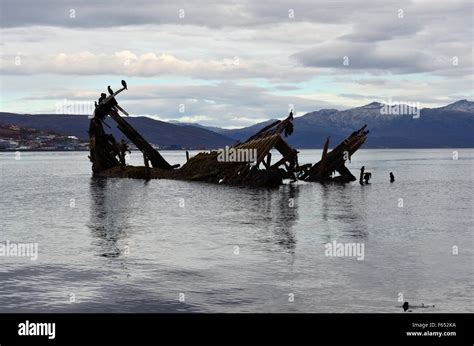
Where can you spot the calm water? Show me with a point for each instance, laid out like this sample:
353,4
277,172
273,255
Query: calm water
123,245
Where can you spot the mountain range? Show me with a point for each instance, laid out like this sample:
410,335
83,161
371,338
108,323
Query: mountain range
157,132
451,126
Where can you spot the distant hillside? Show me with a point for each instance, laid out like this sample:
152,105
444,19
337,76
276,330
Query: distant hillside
240,134
157,132
245,132
450,126
210,128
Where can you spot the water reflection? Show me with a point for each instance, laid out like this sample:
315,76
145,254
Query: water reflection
325,191
341,204
109,215
274,212
286,216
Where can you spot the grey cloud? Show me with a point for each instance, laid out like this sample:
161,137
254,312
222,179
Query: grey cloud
383,56
150,65
67,57
224,103
349,55
231,102
105,13
425,40
383,27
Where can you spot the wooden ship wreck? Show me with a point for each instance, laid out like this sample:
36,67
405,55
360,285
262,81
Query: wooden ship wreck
108,155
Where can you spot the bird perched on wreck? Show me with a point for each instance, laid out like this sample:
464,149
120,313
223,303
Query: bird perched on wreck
289,127
102,97
124,84
110,90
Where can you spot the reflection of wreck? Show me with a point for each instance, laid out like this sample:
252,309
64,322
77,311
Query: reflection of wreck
107,155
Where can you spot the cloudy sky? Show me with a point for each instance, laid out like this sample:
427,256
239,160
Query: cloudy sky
234,63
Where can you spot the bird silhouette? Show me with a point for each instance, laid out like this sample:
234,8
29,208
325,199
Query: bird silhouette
102,97
124,84
95,103
110,90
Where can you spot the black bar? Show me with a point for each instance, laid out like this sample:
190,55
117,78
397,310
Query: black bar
221,329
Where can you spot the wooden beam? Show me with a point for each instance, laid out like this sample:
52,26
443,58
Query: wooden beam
154,156
324,155
269,160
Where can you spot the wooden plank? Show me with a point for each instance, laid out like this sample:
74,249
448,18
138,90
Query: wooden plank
269,160
322,164
154,156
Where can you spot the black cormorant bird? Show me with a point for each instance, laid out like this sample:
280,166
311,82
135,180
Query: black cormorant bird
289,126
124,84
102,97
110,90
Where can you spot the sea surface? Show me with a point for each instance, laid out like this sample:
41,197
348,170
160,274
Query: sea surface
123,245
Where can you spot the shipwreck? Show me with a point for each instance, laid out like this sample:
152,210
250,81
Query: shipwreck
108,155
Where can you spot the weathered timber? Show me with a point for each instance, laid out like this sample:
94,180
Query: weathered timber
103,153
108,106
335,160
202,167
157,161
107,155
